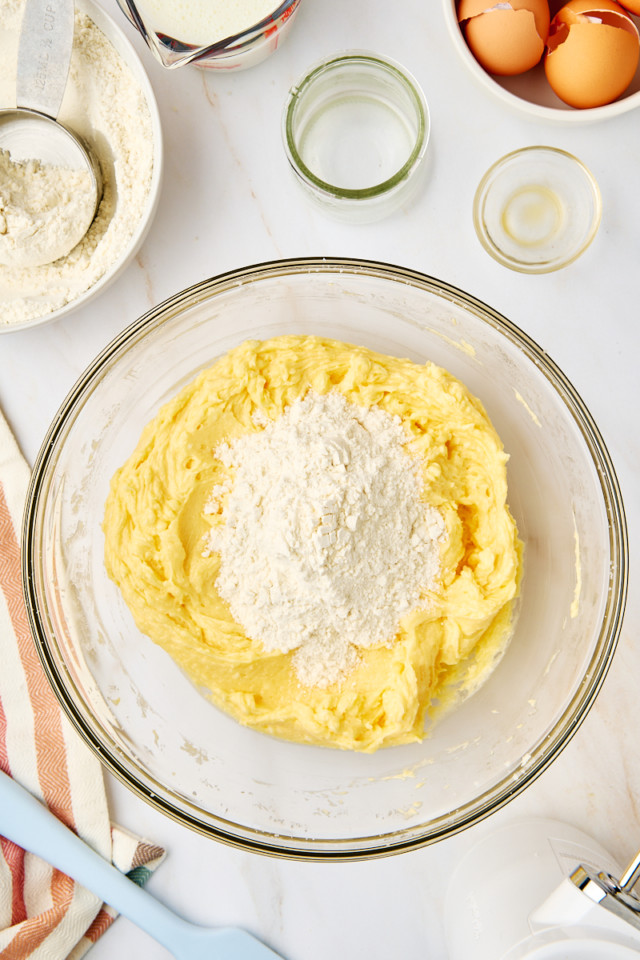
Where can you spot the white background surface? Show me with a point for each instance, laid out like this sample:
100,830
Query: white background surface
228,200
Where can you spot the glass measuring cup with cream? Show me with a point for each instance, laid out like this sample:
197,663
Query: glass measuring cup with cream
214,34
51,180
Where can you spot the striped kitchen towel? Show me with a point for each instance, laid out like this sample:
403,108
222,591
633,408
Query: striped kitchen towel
44,915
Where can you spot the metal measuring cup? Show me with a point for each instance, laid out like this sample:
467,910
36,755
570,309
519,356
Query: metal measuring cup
32,131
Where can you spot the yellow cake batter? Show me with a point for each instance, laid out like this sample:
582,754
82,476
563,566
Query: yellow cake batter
156,523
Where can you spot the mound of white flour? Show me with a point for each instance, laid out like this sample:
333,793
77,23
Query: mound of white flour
104,103
325,543
42,209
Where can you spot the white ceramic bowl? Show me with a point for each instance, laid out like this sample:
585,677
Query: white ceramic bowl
530,92
147,722
122,45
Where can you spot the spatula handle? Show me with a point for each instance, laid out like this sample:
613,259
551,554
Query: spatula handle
32,826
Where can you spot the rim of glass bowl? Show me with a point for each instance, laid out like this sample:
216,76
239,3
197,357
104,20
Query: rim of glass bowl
480,200
296,847
302,87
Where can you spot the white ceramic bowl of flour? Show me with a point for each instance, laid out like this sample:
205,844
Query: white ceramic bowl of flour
108,100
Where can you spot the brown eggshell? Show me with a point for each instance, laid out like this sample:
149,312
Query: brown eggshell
568,12
588,63
505,41
633,6
539,9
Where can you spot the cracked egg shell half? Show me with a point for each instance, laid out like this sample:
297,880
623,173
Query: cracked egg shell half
593,50
506,38
633,6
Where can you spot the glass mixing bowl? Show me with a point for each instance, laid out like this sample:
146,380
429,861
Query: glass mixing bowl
145,720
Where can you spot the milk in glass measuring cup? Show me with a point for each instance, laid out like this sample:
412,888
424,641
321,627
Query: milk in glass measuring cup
214,34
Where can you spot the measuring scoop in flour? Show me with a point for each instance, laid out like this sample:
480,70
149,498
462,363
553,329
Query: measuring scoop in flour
51,183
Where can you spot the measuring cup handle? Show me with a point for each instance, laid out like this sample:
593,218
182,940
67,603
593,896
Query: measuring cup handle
44,55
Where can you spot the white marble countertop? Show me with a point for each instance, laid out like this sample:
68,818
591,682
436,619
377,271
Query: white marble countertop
229,200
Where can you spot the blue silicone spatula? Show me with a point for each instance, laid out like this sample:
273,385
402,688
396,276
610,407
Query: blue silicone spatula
27,822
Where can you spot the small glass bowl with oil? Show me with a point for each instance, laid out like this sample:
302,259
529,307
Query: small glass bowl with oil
356,129
537,209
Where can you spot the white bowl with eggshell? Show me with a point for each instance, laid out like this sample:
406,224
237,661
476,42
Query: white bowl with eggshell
530,92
